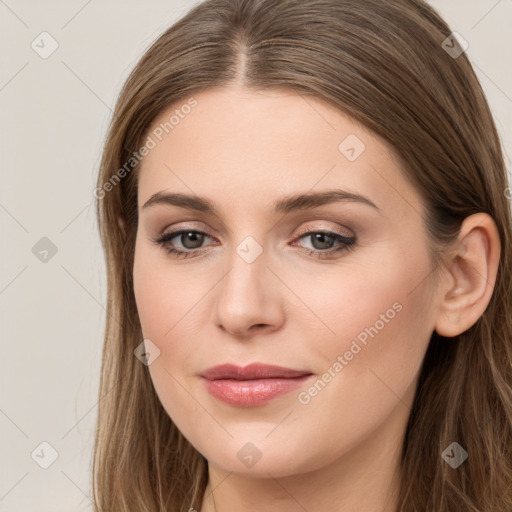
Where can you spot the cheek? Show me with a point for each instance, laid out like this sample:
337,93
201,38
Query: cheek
379,324
163,298
173,311
382,296
382,320
370,369
166,302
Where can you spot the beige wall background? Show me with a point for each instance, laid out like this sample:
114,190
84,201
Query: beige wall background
55,111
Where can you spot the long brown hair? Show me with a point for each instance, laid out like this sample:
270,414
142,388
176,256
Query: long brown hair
386,64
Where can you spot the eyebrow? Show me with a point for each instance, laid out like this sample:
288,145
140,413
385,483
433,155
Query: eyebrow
284,205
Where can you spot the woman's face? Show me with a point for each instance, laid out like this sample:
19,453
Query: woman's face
351,310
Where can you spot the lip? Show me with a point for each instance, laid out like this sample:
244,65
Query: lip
252,385
251,372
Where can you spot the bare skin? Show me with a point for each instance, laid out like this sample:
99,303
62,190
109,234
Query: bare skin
336,448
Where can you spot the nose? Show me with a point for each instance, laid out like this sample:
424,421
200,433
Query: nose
249,298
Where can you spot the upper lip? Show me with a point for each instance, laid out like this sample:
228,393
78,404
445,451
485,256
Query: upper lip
251,372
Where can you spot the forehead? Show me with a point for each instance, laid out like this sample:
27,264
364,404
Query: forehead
255,146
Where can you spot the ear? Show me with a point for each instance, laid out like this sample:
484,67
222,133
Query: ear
472,273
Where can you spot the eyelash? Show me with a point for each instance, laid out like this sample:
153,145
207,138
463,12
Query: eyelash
347,243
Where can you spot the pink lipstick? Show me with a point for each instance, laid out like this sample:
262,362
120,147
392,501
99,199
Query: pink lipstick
252,385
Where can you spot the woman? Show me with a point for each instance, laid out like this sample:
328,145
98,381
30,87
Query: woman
304,211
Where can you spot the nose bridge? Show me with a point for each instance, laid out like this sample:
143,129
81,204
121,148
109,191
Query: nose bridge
250,249
248,269
245,296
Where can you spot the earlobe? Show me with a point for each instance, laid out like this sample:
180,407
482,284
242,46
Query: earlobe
473,270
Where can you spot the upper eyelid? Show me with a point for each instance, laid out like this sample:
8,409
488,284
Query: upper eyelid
190,226
314,229
302,230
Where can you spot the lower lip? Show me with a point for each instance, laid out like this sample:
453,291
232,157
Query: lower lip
251,393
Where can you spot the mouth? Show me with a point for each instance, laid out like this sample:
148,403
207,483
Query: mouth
252,385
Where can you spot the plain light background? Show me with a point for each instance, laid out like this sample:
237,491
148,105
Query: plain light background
54,117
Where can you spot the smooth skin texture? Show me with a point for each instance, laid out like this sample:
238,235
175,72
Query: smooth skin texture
245,150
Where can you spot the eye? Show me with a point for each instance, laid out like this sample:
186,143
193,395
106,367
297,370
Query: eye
322,240
191,241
